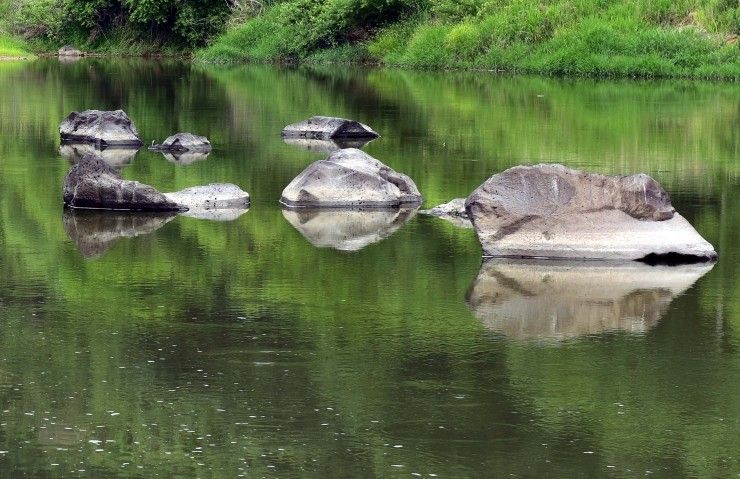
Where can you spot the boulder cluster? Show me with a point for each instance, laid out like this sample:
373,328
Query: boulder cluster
351,199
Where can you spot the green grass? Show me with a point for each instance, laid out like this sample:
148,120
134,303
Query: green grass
12,48
624,38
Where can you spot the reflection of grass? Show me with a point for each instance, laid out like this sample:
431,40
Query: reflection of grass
12,48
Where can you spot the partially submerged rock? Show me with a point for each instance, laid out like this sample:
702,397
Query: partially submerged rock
452,211
350,178
552,299
102,128
115,157
327,146
182,142
92,183
95,232
218,201
347,230
327,128
70,51
551,211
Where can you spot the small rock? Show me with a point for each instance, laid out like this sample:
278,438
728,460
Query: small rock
327,128
70,51
452,211
182,142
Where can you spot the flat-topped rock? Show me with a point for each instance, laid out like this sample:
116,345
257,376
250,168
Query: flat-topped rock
92,183
216,196
560,299
327,128
350,178
452,211
347,230
70,51
551,211
115,157
182,142
95,232
102,128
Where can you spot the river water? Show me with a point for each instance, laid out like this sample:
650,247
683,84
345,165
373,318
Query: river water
276,345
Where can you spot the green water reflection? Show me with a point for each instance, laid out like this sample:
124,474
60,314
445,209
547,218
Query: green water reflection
178,347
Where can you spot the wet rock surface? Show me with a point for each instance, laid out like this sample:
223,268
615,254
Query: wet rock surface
452,211
95,232
555,212
327,128
92,183
182,142
102,128
350,178
552,299
347,230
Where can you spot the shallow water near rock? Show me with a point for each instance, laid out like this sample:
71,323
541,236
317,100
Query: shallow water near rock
181,347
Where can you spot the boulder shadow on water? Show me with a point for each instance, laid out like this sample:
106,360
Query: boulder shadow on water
95,231
327,146
546,299
117,157
347,229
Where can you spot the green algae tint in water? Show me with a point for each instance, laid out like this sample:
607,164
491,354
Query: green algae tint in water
177,347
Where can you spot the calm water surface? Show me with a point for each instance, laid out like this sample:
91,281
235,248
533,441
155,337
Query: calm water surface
178,347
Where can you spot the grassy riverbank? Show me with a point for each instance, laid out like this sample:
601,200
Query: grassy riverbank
11,48
626,38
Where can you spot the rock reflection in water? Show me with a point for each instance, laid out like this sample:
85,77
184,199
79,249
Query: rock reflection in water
541,299
327,146
347,229
95,232
185,158
115,157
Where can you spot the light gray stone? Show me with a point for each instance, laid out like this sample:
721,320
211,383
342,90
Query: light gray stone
182,142
347,230
102,128
219,201
453,211
326,128
350,178
70,51
551,211
556,299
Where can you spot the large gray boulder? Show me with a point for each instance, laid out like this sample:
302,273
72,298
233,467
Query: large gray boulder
561,299
102,128
347,230
92,183
182,142
95,232
349,179
327,128
453,211
552,211
218,201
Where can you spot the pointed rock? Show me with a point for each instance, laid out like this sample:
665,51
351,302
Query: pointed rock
103,128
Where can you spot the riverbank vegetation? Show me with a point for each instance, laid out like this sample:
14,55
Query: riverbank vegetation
646,38
625,38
